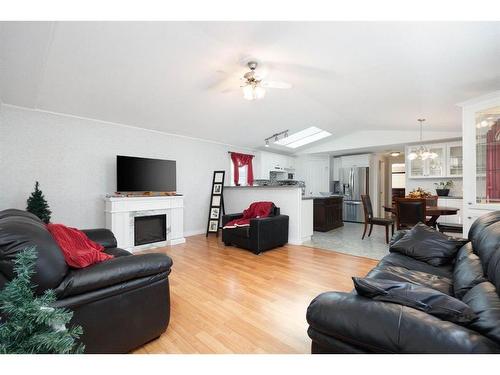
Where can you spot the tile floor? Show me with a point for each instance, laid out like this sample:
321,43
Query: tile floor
347,239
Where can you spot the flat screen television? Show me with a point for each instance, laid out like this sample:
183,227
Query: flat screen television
143,174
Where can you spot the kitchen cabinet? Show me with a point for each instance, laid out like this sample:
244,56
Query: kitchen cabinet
337,164
481,135
430,168
454,158
327,213
448,163
355,161
269,161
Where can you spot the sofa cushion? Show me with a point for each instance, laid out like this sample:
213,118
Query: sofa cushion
467,272
485,303
440,283
20,230
428,245
416,296
485,237
243,232
117,252
400,260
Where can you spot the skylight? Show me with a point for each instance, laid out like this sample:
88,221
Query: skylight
309,135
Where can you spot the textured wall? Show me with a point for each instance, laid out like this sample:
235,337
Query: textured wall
74,160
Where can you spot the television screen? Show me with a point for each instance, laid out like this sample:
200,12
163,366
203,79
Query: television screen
142,174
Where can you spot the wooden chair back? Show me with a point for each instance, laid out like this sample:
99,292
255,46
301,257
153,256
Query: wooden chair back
367,207
410,211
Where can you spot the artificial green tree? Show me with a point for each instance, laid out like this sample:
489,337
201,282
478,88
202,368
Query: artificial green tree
37,205
30,324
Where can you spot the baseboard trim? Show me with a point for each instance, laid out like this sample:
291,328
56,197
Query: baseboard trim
195,232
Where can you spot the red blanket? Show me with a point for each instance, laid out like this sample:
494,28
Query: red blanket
256,210
78,250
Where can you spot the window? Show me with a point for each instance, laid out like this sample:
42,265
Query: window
242,178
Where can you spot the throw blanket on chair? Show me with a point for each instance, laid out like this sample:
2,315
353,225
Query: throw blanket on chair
78,250
255,211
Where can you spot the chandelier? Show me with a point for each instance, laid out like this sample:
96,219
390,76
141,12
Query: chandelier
422,152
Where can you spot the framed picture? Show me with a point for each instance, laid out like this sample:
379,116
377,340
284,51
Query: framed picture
219,177
216,201
217,189
213,226
214,213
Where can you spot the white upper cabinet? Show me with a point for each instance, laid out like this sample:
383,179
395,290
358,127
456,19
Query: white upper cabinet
448,162
354,161
269,161
455,159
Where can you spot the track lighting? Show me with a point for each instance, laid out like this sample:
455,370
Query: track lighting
276,137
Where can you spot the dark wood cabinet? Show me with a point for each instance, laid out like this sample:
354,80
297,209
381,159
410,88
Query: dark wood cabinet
327,213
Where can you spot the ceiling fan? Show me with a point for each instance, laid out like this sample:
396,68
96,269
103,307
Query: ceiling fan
254,87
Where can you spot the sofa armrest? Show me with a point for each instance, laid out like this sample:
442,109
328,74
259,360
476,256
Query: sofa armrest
383,327
102,236
230,217
112,272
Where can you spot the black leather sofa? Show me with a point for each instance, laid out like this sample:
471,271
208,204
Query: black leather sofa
350,323
121,303
262,234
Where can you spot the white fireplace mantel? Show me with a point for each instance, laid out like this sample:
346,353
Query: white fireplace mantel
120,213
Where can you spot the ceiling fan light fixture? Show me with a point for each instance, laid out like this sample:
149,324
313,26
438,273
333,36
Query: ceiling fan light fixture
253,92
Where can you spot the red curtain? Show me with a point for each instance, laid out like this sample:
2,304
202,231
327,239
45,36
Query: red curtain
240,160
493,163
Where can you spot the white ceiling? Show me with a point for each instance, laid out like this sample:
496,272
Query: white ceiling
167,76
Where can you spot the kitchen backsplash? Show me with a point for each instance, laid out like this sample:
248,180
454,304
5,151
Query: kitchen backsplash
428,184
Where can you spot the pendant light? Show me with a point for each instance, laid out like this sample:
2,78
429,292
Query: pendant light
422,152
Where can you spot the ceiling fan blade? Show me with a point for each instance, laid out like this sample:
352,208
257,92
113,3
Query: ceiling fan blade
276,85
304,70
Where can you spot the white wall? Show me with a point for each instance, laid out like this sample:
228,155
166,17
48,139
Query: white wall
74,161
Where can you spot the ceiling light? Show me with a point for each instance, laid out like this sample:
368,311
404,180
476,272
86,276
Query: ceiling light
303,137
421,152
395,153
267,143
253,91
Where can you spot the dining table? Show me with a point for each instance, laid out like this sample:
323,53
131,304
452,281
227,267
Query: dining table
433,211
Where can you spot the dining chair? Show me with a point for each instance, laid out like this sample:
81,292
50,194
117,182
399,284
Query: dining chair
410,211
371,220
432,201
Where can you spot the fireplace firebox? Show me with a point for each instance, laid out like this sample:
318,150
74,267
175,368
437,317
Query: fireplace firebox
150,229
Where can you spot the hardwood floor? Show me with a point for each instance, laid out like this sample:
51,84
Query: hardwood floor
228,300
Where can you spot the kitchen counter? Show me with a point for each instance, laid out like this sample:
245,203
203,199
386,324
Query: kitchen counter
449,197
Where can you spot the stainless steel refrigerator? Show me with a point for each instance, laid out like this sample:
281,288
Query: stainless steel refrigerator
354,182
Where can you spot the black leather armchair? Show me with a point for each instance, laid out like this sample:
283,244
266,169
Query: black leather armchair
121,303
350,323
262,234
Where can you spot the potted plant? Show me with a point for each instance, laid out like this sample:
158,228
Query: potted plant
443,188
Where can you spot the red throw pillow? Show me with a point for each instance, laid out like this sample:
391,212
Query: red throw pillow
78,250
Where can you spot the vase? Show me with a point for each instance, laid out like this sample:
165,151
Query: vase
443,192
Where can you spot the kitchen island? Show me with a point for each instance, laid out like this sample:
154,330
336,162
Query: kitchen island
328,213
287,198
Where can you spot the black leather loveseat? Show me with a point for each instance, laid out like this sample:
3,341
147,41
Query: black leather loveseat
262,234
350,323
121,303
